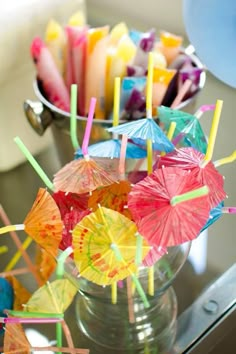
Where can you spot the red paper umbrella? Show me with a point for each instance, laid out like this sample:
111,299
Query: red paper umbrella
188,158
82,175
160,216
154,255
70,201
70,220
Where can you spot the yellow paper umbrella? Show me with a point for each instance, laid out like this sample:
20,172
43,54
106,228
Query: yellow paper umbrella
104,245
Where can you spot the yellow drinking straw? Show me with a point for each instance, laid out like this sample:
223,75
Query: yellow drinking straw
213,133
114,293
170,134
116,105
18,254
3,249
225,160
149,149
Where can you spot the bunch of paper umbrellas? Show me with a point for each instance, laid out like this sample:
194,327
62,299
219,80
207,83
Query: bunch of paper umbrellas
110,220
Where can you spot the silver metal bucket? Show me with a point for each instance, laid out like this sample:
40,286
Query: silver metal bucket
41,114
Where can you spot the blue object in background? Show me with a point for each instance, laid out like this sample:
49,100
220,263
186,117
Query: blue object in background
211,29
6,298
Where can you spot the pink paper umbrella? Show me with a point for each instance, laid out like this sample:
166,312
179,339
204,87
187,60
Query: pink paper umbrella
169,207
49,76
190,159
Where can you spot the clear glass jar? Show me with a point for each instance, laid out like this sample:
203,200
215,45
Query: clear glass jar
107,327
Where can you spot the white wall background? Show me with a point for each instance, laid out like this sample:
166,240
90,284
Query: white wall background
167,15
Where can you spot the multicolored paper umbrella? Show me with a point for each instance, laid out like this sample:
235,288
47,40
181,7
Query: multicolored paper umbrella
190,159
95,241
114,197
43,223
83,175
167,208
187,126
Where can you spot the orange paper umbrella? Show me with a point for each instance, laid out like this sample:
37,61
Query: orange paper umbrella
43,223
15,340
114,197
21,294
46,264
96,240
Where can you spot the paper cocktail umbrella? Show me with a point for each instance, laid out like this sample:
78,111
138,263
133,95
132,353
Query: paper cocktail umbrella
82,175
187,126
190,159
114,197
146,129
70,201
15,340
167,208
43,223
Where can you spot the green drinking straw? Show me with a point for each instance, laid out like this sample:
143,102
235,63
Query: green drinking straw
34,163
139,244
59,273
73,117
139,288
196,193
29,314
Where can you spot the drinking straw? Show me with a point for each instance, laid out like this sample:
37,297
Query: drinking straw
30,320
14,272
204,108
139,288
123,148
182,92
116,104
52,349
149,86
59,273
170,134
19,254
31,314
34,163
3,249
225,160
196,193
149,141
88,126
139,244
151,280
213,133
114,292
73,116
130,300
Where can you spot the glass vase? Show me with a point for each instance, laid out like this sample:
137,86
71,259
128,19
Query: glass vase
127,326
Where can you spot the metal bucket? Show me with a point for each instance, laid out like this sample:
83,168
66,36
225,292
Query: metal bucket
42,114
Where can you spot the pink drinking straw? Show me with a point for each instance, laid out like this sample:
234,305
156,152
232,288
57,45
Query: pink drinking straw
204,108
123,148
182,92
30,320
229,210
88,127
14,272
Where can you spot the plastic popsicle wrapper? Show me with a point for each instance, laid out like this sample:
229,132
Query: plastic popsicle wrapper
49,76
117,61
161,80
96,68
55,39
169,45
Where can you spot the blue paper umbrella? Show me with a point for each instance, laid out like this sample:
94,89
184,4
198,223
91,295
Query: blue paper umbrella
145,129
6,298
188,127
111,149
217,212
